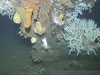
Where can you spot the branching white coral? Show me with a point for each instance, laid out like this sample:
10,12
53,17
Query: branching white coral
79,7
6,8
81,33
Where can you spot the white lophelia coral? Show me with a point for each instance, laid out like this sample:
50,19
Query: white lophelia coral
81,33
6,8
79,7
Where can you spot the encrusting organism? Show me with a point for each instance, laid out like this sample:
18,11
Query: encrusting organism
17,18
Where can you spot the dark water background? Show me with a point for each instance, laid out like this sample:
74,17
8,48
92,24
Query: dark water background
15,51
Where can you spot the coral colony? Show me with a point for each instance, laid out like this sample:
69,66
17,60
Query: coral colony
6,8
39,20
81,33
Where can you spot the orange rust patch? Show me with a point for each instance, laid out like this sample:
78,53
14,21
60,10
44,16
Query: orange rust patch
28,18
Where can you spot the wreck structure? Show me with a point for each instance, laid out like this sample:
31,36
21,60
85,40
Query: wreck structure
48,22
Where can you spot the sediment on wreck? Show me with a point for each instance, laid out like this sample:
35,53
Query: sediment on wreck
44,19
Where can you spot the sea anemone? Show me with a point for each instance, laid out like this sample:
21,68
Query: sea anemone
44,43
